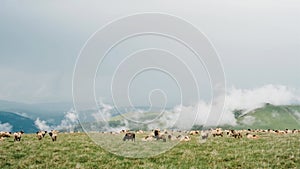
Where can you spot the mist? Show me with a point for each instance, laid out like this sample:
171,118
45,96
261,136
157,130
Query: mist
236,99
5,127
69,122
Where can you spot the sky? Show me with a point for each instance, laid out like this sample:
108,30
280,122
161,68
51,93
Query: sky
257,42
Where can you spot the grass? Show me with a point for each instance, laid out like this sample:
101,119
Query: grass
79,151
275,117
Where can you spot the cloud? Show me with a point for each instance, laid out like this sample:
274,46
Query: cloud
104,113
5,127
42,124
16,85
183,116
249,99
67,124
243,99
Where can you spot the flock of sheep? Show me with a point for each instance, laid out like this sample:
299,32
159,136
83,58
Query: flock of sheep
170,135
165,135
18,135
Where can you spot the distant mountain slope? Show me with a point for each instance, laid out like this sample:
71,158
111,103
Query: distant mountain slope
18,122
271,116
54,111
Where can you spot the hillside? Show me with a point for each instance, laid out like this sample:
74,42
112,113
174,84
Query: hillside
18,122
53,111
271,116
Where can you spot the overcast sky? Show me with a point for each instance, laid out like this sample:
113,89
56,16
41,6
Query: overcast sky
258,41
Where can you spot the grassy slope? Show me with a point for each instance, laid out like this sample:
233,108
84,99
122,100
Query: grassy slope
274,117
78,151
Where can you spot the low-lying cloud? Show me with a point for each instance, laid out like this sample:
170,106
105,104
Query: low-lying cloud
236,99
5,127
247,100
67,124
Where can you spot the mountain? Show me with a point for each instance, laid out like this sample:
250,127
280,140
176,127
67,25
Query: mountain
46,111
22,116
268,116
271,116
18,122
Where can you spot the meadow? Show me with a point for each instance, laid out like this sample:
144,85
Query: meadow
78,150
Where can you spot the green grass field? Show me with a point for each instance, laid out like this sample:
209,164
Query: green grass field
79,151
274,117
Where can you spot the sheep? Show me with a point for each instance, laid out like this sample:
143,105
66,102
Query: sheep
185,138
41,134
4,134
250,136
159,136
171,137
217,132
235,134
124,131
279,132
53,134
204,135
148,138
17,135
287,131
129,136
193,132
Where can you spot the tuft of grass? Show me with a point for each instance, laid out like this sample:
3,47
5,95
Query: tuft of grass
79,151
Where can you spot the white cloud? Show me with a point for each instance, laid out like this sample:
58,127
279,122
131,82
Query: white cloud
42,124
5,127
68,123
182,116
244,99
249,99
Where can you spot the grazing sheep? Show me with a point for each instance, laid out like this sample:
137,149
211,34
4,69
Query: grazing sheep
204,135
287,131
159,136
4,134
250,136
17,135
41,134
279,132
53,134
235,134
129,136
148,138
217,132
124,131
185,138
193,132
171,137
